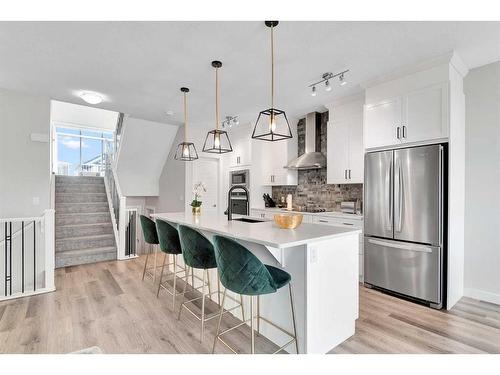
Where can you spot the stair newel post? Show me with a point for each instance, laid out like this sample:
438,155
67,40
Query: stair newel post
50,248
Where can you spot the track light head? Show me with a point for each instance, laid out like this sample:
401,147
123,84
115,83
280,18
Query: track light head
328,87
342,80
313,91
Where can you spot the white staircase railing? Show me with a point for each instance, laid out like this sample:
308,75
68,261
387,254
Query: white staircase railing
27,252
124,220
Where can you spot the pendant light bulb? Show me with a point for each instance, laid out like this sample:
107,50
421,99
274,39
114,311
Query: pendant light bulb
313,91
328,87
217,140
185,151
272,124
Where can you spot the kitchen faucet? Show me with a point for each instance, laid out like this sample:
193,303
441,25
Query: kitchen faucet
229,206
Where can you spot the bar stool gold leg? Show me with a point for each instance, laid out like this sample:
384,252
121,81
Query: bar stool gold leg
161,275
203,307
208,284
241,304
258,315
293,318
155,265
146,263
220,320
175,279
251,325
218,286
184,292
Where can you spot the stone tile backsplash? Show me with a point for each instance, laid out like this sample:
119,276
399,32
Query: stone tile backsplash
312,190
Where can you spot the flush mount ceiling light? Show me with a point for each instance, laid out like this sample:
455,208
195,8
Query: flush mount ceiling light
91,97
185,150
217,141
326,77
272,124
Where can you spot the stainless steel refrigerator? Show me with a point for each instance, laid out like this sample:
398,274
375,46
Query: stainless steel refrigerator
403,222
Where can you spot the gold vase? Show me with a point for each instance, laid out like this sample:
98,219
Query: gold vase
197,210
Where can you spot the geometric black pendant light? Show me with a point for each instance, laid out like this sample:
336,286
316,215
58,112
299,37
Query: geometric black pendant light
217,141
185,150
272,124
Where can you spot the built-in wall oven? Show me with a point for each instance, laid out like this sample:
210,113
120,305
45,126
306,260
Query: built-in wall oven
239,200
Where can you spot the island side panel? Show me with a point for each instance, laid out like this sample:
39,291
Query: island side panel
332,295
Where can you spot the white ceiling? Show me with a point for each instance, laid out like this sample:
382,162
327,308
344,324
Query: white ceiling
139,66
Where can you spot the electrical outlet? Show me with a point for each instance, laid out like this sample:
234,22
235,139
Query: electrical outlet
314,255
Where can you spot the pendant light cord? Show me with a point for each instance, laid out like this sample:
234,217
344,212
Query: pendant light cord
217,98
185,117
272,67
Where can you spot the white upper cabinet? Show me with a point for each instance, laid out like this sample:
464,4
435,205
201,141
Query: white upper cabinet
242,150
413,109
345,154
381,122
273,157
425,114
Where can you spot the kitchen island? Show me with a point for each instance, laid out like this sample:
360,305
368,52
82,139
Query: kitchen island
323,262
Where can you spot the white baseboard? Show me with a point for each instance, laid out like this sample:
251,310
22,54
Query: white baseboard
482,295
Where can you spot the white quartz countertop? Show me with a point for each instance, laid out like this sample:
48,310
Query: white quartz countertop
265,233
330,213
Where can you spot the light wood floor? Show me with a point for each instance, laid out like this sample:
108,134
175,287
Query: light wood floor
107,305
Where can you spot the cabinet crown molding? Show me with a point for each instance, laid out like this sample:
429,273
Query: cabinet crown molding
451,58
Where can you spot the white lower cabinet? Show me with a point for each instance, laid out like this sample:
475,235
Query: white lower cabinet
346,223
268,214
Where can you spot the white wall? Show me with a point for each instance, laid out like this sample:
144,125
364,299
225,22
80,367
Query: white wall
83,116
144,147
172,182
482,187
24,164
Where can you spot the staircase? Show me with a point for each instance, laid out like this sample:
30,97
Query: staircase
84,232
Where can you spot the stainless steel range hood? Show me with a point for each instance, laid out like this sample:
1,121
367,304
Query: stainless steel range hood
312,158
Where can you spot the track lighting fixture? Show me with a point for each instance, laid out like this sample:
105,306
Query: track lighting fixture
326,78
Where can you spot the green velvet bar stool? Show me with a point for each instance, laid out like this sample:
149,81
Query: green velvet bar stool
151,238
242,272
198,253
169,245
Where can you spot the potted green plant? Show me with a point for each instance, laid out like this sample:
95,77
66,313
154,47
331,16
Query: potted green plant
198,191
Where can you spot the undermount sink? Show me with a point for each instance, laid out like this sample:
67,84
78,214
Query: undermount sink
247,220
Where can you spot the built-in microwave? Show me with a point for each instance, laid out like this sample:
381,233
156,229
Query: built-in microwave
241,177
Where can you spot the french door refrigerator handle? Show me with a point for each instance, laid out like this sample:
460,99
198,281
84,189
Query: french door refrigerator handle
398,187
441,192
402,246
388,180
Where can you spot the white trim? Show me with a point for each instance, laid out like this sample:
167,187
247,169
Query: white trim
112,213
482,295
50,253
74,125
446,58
28,294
